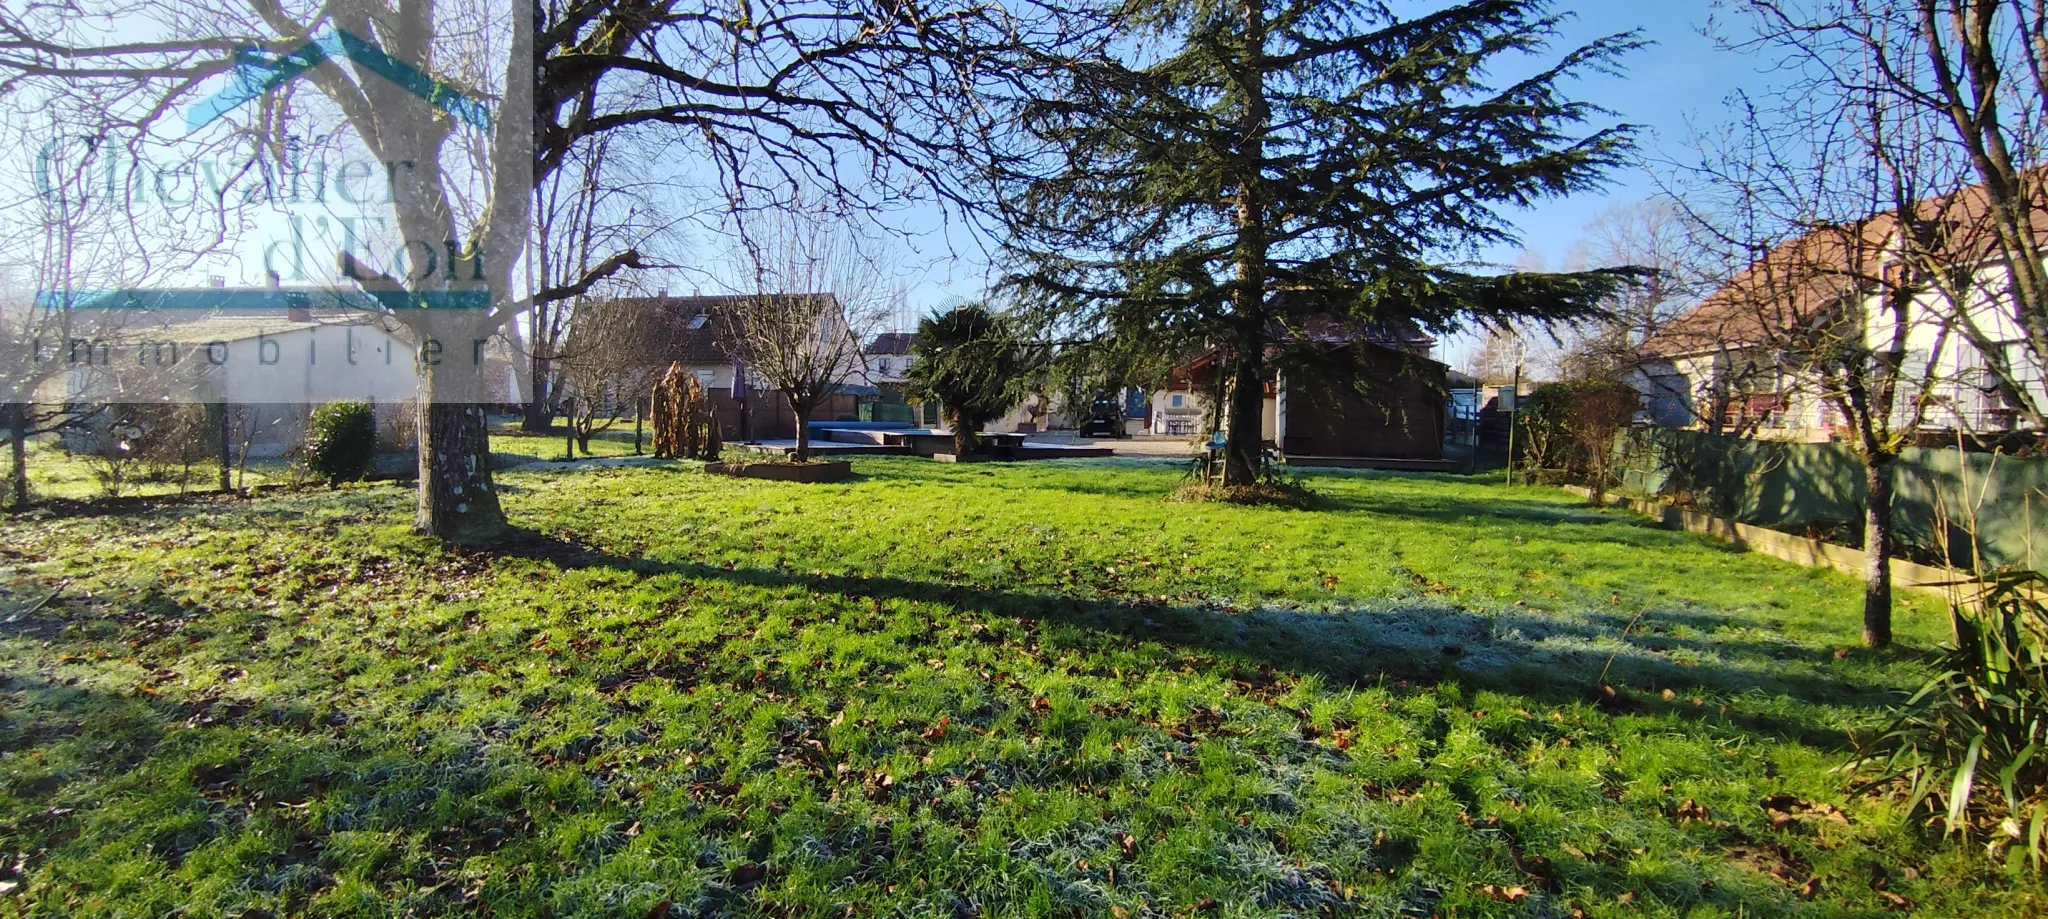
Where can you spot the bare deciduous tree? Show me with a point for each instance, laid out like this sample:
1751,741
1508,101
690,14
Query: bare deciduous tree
1652,233
816,295
605,198
1850,211
1972,75
66,240
601,362
869,100
1498,355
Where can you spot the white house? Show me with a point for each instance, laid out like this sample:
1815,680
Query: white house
889,357
1736,361
271,368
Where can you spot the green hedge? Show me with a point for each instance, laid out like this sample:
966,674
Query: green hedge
341,441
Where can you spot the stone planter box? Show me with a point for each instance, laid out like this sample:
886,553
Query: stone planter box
815,471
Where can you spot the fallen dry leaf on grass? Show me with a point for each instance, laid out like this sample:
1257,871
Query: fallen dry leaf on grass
1515,894
1784,810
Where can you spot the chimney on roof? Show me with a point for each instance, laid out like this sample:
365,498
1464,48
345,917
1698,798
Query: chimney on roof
662,293
215,280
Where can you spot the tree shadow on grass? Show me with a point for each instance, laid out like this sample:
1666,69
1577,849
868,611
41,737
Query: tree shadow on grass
371,774
1562,521
980,476
1490,510
1547,658
221,767
277,760
1651,632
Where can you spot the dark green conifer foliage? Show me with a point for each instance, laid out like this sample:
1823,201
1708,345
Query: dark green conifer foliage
1289,159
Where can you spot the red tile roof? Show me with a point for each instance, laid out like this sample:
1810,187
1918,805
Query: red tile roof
1803,279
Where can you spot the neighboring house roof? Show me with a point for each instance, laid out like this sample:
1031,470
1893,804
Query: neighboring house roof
232,329
1394,335
177,304
693,330
1802,281
1795,285
227,326
891,343
1403,334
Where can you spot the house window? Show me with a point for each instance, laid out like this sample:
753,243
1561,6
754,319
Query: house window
697,321
704,378
885,365
1177,400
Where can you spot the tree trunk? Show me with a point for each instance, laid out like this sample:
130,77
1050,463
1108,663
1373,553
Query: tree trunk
225,454
963,436
1242,449
540,414
456,495
1877,546
17,452
538,418
1243,416
802,412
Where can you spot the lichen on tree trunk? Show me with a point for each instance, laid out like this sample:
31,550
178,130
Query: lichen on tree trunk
457,497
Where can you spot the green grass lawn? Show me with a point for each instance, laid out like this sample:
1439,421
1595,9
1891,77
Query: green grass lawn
936,690
512,446
56,473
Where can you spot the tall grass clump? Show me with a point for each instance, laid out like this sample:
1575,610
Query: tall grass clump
1567,432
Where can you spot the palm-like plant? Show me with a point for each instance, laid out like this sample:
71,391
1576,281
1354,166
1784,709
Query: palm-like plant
973,362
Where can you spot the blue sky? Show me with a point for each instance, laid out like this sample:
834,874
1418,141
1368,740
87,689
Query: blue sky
1680,84
1671,89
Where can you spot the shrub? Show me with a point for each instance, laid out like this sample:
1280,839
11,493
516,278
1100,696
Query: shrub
1975,737
1273,487
341,440
398,430
151,444
1569,430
